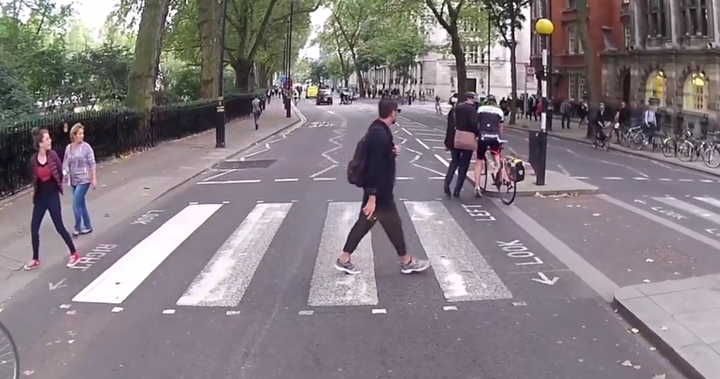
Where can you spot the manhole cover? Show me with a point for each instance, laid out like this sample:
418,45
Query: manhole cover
245,165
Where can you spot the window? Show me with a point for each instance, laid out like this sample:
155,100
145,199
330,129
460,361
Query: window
626,36
655,88
472,55
695,92
483,57
573,41
656,18
572,86
581,87
694,17
570,4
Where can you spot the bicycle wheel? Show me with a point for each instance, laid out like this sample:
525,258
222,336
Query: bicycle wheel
669,147
635,141
711,157
507,190
9,357
686,152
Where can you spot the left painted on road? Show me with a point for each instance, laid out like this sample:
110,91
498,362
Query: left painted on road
96,254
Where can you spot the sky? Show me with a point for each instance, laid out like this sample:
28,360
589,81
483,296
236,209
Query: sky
318,19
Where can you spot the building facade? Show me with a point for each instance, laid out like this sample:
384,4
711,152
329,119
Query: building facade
487,72
672,60
571,77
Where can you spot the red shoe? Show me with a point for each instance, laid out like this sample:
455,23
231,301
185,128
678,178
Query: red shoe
74,259
33,264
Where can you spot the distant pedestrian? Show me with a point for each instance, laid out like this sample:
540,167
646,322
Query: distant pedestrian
373,169
47,181
256,111
80,169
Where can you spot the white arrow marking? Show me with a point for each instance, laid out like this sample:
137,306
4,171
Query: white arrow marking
640,201
545,280
54,286
711,230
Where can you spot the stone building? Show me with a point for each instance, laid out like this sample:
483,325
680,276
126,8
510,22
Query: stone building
672,60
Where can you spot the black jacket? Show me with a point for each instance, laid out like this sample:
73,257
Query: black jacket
379,177
461,117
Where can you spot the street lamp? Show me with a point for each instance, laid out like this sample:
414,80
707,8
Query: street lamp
544,27
220,116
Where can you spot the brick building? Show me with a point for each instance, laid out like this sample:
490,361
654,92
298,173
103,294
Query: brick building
570,77
672,59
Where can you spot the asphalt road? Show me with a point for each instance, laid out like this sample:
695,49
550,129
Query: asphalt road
230,275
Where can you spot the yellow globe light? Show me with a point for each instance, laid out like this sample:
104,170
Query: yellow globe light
544,27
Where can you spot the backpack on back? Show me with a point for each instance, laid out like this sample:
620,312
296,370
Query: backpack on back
356,166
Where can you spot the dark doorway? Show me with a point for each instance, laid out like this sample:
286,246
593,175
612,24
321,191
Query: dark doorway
626,87
471,84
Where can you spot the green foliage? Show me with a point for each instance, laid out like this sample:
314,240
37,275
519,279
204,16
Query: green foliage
506,17
15,99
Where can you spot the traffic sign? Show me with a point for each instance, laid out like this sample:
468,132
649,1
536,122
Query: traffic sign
530,70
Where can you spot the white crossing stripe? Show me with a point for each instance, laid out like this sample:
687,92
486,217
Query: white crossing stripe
330,287
461,271
224,280
122,278
709,200
690,208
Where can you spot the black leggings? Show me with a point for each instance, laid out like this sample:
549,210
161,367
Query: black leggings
390,222
48,203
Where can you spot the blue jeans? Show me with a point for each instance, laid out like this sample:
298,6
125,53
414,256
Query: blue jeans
80,207
461,162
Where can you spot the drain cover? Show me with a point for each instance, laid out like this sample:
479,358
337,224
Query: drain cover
244,165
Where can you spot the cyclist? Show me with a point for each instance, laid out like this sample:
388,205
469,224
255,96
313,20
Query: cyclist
490,125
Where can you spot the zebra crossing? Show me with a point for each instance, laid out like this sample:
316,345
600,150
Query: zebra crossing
697,212
460,270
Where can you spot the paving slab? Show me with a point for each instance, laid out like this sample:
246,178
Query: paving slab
578,135
556,183
125,186
682,319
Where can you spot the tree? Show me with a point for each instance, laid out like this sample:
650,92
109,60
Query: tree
15,100
318,71
458,17
334,53
590,63
507,18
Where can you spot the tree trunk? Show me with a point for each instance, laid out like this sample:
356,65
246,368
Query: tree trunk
242,70
591,78
513,75
208,28
460,67
141,81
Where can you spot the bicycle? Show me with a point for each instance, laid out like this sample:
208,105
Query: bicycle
9,357
514,169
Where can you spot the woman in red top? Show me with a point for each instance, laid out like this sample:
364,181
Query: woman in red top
47,181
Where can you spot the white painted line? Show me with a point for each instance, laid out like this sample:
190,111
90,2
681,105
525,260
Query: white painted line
665,179
233,181
306,313
422,143
685,180
709,200
224,280
449,308
329,111
689,208
326,169
379,311
286,180
116,310
564,171
706,181
430,134
438,147
330,287
555,139
406,131
612,178
324,179
122,278
403,178
232,313
580,177
218,175
168,312
436,178
640,178
434,140
443,161
593,277
460,269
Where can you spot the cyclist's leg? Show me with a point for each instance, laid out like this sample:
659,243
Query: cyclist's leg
496,149
479,163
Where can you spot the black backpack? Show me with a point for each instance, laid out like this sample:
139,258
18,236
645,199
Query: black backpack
356,166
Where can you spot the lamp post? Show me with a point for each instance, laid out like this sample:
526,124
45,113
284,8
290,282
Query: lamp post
220,114
544,27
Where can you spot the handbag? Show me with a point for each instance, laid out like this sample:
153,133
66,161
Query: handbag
465,140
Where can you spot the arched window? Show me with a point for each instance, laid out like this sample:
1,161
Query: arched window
655,88
695,92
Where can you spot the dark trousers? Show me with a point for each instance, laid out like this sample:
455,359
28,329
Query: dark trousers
565,120
49,203
460,161
389,220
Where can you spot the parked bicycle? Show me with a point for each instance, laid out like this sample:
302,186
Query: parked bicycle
9,357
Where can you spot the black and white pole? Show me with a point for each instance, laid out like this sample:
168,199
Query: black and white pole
220,110
544,28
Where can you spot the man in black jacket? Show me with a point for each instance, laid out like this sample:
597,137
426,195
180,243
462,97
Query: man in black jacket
462,117
378,200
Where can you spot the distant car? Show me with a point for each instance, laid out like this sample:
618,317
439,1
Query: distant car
324,97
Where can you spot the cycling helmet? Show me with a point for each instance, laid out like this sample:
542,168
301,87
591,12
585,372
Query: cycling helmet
490,100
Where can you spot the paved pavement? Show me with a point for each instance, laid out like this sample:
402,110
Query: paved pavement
230,276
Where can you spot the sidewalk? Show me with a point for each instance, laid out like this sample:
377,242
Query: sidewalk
576,134
125,186
682,318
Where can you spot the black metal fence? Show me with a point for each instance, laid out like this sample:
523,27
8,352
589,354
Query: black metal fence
111,133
